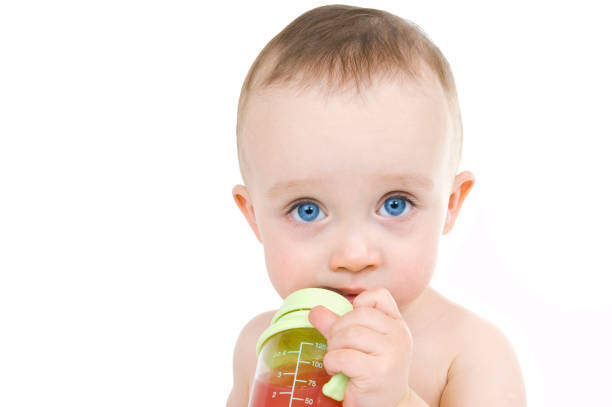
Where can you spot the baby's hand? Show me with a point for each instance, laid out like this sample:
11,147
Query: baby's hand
372,345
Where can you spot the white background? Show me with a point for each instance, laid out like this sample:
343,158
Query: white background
127,271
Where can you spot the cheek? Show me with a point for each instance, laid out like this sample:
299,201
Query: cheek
290,266
413,269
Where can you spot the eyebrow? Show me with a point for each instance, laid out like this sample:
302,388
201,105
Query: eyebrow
409,180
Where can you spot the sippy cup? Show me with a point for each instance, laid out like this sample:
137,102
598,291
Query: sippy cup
290,354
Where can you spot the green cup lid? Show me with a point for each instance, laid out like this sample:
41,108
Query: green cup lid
303,300
308,298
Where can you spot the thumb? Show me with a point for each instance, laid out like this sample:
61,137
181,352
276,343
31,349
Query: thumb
322,319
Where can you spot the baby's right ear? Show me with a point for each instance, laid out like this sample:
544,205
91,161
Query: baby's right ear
243,200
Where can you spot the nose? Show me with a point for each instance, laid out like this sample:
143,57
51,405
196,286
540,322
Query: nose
354,252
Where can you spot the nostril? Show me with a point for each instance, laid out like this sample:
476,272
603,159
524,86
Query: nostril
357,269
355,258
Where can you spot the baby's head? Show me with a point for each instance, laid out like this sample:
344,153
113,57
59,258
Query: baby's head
349,140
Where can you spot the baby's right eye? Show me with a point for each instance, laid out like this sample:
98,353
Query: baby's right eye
305,211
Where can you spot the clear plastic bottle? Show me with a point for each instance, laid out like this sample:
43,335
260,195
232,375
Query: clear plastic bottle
290,353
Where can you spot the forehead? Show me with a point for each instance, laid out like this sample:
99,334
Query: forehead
392,128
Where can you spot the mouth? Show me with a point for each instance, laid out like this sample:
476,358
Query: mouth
348,293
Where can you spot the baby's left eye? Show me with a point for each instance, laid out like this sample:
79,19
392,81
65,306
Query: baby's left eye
394,206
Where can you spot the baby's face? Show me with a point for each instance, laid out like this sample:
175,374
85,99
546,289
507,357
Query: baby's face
347,193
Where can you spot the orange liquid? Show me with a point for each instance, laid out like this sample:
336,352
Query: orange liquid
269,390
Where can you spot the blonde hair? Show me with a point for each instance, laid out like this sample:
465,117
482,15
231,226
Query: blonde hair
346,44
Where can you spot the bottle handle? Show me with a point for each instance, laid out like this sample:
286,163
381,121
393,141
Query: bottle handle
335,387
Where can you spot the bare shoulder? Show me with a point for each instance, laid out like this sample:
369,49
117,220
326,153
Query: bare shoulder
485,370
245,360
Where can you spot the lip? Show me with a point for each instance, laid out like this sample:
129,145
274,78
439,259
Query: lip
348,293
350,297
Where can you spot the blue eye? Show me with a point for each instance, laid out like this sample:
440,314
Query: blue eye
395,205
306,212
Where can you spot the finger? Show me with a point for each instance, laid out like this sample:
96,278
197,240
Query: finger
379,298
359,338
370,318
351,362
322,319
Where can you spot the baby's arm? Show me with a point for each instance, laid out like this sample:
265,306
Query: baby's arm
485,373
245,359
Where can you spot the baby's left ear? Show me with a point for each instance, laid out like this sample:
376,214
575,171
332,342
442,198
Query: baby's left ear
461,187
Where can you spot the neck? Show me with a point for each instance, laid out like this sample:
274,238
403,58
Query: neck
422,311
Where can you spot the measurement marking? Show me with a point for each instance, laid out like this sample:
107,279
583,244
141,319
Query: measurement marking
292,351
284,392
307,363
301,381
297,366
288,373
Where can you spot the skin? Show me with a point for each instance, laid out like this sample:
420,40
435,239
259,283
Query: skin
374,239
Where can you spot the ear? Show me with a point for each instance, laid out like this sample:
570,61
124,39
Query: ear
243,200
461,187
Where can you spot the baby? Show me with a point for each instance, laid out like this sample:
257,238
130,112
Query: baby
349,141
